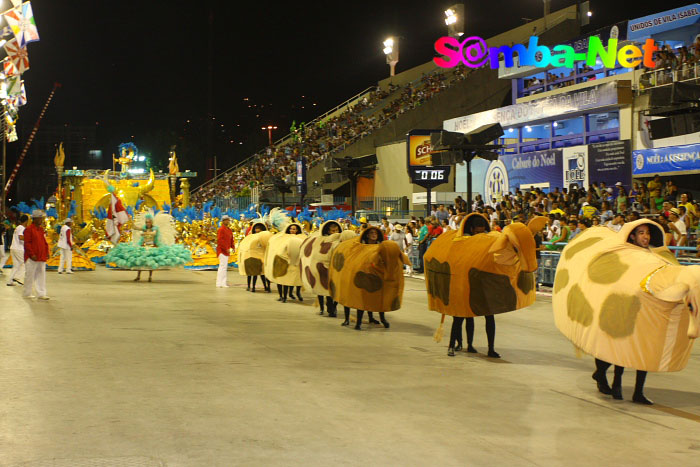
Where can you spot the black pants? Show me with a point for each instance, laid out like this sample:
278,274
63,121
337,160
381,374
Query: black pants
422,248
329,304
456,332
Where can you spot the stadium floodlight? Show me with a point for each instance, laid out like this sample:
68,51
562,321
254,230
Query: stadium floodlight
454,20
391,50
269,129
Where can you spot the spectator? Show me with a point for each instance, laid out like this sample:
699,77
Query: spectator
574,229
442,213
422,243
606,213
616,222
436,230
399,237
692,214
588,211
677,226
654,187
668,234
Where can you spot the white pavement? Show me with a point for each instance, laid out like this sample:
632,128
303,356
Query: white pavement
180,373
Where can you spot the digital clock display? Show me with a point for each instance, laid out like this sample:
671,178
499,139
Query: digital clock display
429,174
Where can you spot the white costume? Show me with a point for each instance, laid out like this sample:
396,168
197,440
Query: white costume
17,253
65,243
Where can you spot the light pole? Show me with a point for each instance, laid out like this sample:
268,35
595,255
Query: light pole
454,20
269,129
391,50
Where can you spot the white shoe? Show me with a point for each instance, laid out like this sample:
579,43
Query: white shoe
11,284
69,272
44,297
28,296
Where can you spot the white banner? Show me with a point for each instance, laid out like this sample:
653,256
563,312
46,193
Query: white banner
575,166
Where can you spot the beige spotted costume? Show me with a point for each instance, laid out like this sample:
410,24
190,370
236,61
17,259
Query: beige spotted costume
631,306
316,254
251,252
282,257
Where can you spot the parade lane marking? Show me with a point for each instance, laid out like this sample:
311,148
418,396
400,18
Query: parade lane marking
612,408
676,412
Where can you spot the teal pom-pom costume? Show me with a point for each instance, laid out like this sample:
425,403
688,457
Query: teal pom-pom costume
152,246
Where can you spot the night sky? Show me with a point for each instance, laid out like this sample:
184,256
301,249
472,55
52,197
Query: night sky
141,68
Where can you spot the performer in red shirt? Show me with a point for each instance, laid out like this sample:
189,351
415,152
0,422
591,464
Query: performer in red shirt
224,244
36,252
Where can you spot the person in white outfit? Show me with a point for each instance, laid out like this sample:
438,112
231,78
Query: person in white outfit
36,253
65,243
17,251
4,227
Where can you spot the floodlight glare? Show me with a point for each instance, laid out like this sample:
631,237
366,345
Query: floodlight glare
389,42
387,50
590,13
451,17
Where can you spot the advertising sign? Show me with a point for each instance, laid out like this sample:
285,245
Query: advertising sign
301,176
419,149
664,21
575,165
510,172
672,159
419,161
552,106
609,162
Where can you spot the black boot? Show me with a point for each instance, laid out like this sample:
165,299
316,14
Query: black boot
638,396
248,288
255,279
347,317
617,383
371,319
290,290
600,377
331,307
469,326
280,291
266,284
491,336
299,293
383,320
358,325
320,304
455,335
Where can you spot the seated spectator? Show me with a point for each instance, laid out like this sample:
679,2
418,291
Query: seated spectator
588,211
616,222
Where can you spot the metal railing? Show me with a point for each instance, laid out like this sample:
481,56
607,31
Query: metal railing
667,76
549,259
449,81
287,138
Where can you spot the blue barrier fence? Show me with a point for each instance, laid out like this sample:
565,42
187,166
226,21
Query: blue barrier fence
547,265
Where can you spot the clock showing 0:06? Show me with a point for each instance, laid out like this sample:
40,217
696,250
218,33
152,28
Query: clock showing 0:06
430,174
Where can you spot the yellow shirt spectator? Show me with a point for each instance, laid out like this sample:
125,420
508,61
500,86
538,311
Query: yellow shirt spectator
654,188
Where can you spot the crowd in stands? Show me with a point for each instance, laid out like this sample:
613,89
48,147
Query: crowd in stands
321,139
667,59
569,213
